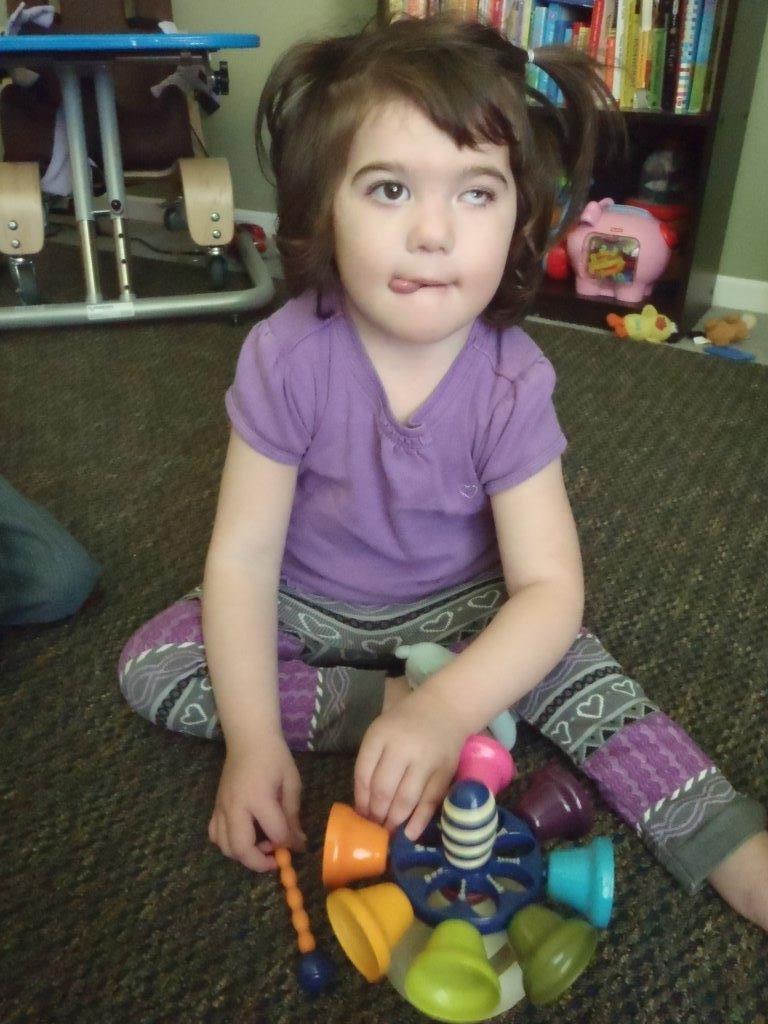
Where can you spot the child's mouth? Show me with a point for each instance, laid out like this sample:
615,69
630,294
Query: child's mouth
405,285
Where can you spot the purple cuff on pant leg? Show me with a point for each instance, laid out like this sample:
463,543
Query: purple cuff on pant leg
179,624
643,763
298,690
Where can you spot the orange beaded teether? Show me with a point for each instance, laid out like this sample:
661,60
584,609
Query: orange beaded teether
295,901
316,972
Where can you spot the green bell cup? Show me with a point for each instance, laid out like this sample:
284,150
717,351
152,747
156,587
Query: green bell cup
451,979
552,951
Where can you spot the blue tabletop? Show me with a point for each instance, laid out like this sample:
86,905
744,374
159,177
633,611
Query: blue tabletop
175,42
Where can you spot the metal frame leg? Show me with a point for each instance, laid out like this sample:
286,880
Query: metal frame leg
113,174
81,177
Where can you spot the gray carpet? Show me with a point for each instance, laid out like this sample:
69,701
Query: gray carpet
114,906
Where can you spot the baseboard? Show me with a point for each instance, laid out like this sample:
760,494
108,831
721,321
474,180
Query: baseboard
740,294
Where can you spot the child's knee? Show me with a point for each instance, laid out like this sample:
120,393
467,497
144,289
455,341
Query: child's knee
160,661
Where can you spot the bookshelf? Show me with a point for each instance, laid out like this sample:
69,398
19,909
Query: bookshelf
710,140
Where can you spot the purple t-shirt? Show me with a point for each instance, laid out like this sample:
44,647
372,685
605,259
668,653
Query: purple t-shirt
387,512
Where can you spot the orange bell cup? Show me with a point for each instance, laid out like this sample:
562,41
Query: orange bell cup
369,923
354,847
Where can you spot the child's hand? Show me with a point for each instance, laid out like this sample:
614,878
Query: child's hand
406,761
257,805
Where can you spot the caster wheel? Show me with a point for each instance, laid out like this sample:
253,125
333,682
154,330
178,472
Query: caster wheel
175,218
25,282
217,271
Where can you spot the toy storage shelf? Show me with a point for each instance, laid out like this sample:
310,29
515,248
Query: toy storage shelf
714,141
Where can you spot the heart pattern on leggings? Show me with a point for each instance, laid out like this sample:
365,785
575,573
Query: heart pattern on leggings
624,686
592,708
561,734
318,630
193,715
387,645
487,600
438,625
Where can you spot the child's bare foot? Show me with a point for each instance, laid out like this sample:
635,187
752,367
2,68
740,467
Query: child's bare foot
742,879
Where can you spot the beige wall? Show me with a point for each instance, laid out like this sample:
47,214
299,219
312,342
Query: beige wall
745,253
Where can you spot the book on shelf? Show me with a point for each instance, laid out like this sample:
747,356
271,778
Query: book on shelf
689,38
703,52
672,15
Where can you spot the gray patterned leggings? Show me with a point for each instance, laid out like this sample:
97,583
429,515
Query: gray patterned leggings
333,659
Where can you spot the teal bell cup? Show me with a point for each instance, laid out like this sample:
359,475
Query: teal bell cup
583,878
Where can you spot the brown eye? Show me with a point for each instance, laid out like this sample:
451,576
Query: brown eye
389,191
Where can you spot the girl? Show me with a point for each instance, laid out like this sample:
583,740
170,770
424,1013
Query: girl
393,473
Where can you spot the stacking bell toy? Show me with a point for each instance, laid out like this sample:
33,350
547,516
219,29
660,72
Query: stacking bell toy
552,952
583,878
451,979
555,805
485,760
368,924
354,848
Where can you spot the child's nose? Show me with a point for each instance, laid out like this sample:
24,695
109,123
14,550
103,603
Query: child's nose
431,227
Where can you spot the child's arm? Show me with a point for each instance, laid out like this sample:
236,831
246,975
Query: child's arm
259,782
409,753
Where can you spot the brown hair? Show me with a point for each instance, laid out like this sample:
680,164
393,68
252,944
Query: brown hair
470,82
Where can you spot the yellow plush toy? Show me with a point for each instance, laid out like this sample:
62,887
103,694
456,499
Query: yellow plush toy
648,325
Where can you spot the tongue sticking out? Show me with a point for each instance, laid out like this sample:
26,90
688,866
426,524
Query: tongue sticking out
404,287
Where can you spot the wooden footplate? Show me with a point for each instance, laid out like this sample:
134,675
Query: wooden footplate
207,188
22,231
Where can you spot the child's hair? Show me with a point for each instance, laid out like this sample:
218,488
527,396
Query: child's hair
470,82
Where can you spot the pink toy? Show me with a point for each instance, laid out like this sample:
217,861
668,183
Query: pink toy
484,759
618,251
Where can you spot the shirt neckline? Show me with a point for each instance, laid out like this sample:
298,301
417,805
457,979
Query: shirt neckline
433,405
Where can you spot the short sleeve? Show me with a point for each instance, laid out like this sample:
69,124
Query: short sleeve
523,434
272,398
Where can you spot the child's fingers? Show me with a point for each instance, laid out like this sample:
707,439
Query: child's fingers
291,805
406,797
241,838
367,760
431,798
385,781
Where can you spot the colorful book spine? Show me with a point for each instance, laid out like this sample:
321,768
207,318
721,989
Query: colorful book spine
495,13
643,68
595,25
532,73
562,37
671,14
703,52
658,52
514,21
688,44
619,49
546,85
525,35
609,65
630,54
608,21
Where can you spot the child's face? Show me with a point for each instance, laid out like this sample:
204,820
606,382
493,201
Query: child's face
422,228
